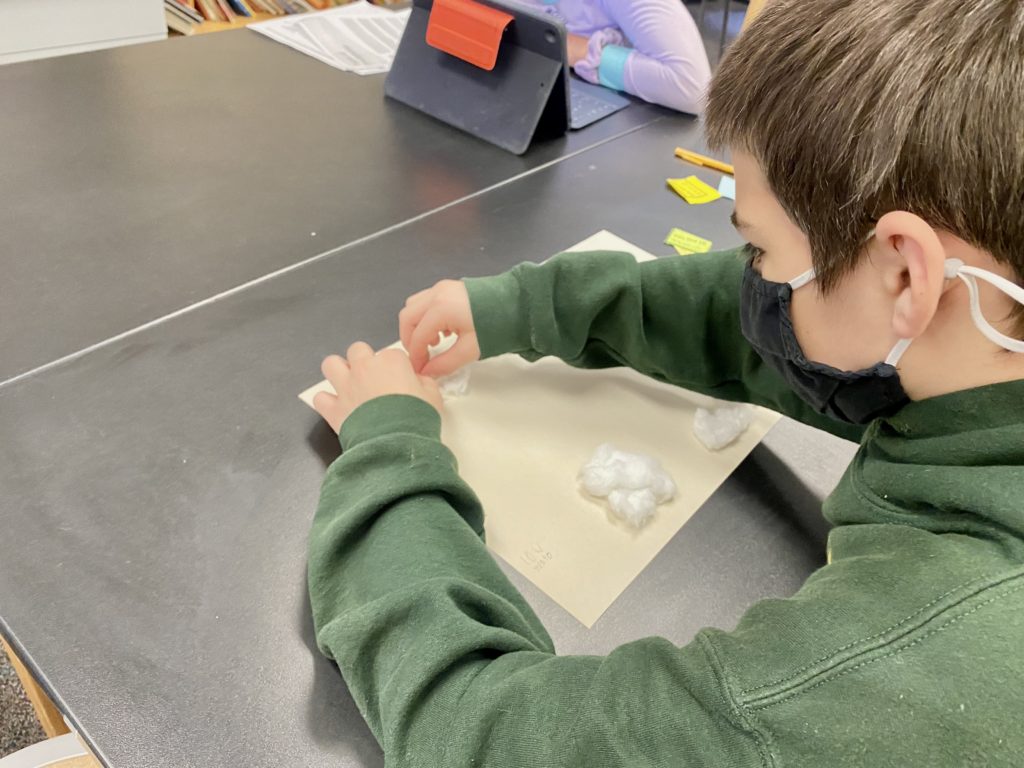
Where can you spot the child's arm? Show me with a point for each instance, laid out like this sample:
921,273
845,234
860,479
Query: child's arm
667,64
674,319
445,659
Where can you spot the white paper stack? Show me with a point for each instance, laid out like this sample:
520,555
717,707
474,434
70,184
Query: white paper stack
357,37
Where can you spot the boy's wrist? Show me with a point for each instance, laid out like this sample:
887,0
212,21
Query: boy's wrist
387,415
499,320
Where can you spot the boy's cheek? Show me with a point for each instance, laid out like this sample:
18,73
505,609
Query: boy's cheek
786,254
811,326
836,331
781,268
770,270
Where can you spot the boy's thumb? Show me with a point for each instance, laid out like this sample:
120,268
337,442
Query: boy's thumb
449,362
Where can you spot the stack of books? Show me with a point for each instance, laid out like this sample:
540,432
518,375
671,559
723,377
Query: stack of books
185,16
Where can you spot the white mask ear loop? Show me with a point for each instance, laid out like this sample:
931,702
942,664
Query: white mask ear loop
897,352
805,277
802,279
970,276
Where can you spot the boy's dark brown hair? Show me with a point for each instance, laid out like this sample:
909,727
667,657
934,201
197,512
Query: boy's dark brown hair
854,108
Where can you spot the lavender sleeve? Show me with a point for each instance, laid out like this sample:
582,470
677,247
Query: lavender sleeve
667,64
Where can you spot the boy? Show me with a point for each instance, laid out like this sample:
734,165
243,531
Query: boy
880,182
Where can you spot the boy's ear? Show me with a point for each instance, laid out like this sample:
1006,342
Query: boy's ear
911,260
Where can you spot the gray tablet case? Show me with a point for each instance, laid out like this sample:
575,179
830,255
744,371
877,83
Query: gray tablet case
524,97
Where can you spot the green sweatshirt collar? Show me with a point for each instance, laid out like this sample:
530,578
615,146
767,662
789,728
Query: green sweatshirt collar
994,406
951,465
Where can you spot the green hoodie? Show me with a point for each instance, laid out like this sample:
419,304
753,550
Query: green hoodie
906,650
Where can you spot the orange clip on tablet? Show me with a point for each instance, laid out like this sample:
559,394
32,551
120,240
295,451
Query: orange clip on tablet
468,30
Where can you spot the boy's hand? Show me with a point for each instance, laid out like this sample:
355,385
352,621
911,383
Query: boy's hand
427,314
365,376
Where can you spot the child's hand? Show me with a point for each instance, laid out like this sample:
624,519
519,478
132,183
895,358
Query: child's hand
576,48
427,314
366,376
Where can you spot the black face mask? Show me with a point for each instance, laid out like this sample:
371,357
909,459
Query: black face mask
853,396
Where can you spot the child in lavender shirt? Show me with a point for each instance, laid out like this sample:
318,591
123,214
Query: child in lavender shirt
649,48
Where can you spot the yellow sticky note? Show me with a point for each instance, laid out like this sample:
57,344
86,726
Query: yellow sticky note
693,190
686,243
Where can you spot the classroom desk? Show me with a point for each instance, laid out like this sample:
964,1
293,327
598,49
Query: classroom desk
139,180
159,489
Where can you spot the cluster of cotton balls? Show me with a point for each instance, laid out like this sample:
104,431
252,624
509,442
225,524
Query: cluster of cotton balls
633,484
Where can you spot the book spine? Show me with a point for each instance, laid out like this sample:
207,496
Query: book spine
178,23
225,9
208,10
179,6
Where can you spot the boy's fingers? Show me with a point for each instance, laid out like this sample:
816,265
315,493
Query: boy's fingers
394,357
418,297
334,369
461,353
358,352
323,403
425,334
409,318
405,328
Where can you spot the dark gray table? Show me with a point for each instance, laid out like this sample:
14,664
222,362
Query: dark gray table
158,490
139,180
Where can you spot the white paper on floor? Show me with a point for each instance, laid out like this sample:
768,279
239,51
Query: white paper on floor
525,429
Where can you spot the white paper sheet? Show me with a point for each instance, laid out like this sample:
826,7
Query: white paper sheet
523,432
357,37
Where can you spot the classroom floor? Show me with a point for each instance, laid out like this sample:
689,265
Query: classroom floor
18,725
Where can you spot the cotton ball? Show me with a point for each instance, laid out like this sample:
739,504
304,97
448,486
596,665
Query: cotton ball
455,385
632,483
599,481
663,487
635,507
635,474
599,476
721,426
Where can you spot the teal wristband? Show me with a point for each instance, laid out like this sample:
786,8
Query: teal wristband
612,69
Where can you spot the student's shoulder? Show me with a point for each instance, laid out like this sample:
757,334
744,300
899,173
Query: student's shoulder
872,644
